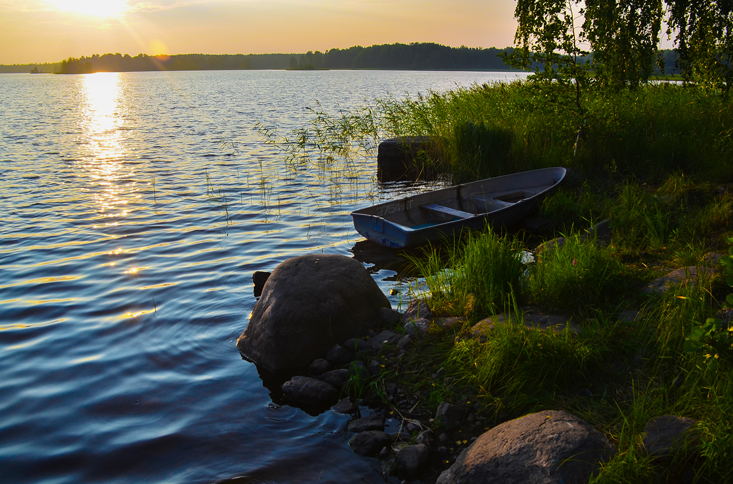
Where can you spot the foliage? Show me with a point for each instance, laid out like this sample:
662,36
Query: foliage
704,30
623,37
476,276
714,338
576,277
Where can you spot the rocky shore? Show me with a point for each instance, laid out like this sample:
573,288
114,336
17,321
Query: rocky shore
360,376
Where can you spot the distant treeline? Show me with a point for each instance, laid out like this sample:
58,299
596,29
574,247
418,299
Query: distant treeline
417,56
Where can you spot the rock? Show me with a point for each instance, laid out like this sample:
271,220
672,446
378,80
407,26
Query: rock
346,406
712,259
668,434
417,327
375,368
386,337
417,309
424,438
395,157
389,317
357,345
449,416
447,323
310,391
531,319
310,303
405,342
600,232
336,378
319,366
339,354
677,277
371,422
550,447
411,460
369,443
259,278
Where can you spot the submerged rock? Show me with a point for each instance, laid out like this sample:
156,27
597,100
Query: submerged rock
308,304
369,443
411,460
303,389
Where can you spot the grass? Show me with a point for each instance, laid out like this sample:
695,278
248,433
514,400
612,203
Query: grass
656,161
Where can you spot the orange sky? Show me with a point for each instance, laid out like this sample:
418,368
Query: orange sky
36,31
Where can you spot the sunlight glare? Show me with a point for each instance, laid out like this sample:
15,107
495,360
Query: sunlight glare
97,8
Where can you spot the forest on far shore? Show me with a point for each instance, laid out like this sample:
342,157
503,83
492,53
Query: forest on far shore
416,56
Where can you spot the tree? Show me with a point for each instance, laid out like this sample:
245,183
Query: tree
623,36
704,30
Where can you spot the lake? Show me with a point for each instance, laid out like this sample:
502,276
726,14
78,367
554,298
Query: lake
135,208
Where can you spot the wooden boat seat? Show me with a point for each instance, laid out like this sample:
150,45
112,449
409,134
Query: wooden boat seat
442,210
491,203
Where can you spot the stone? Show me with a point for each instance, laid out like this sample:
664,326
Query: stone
346,406
339,354
369,443
532,319
668,434
336,378
389,316
675,278
357,345
395,157
375,368
600,232
712,259
424,438
417,327
303,389
447,323
259,278
371,422
386,337
308,304
319,366
449,416
549,447
405,342
411,460
417,309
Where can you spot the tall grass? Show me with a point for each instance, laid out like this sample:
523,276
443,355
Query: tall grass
493,129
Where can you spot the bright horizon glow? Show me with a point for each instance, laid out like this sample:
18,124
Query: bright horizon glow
41,31
96,8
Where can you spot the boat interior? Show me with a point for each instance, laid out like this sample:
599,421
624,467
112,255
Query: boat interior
434,212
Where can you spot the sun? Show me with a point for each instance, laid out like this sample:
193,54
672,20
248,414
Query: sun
98,8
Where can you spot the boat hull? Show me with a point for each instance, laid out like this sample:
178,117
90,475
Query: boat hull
430,217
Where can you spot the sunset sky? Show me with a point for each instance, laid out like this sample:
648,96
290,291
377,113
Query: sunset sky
36,31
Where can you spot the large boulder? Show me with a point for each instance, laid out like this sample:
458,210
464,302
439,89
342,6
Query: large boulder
542,448
308,304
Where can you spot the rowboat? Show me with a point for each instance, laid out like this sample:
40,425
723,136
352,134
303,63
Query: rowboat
428,217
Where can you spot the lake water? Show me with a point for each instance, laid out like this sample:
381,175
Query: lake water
128,241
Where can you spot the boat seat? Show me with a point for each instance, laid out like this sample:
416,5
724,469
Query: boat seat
487,203
440,209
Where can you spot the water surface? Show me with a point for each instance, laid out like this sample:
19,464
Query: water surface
128,241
